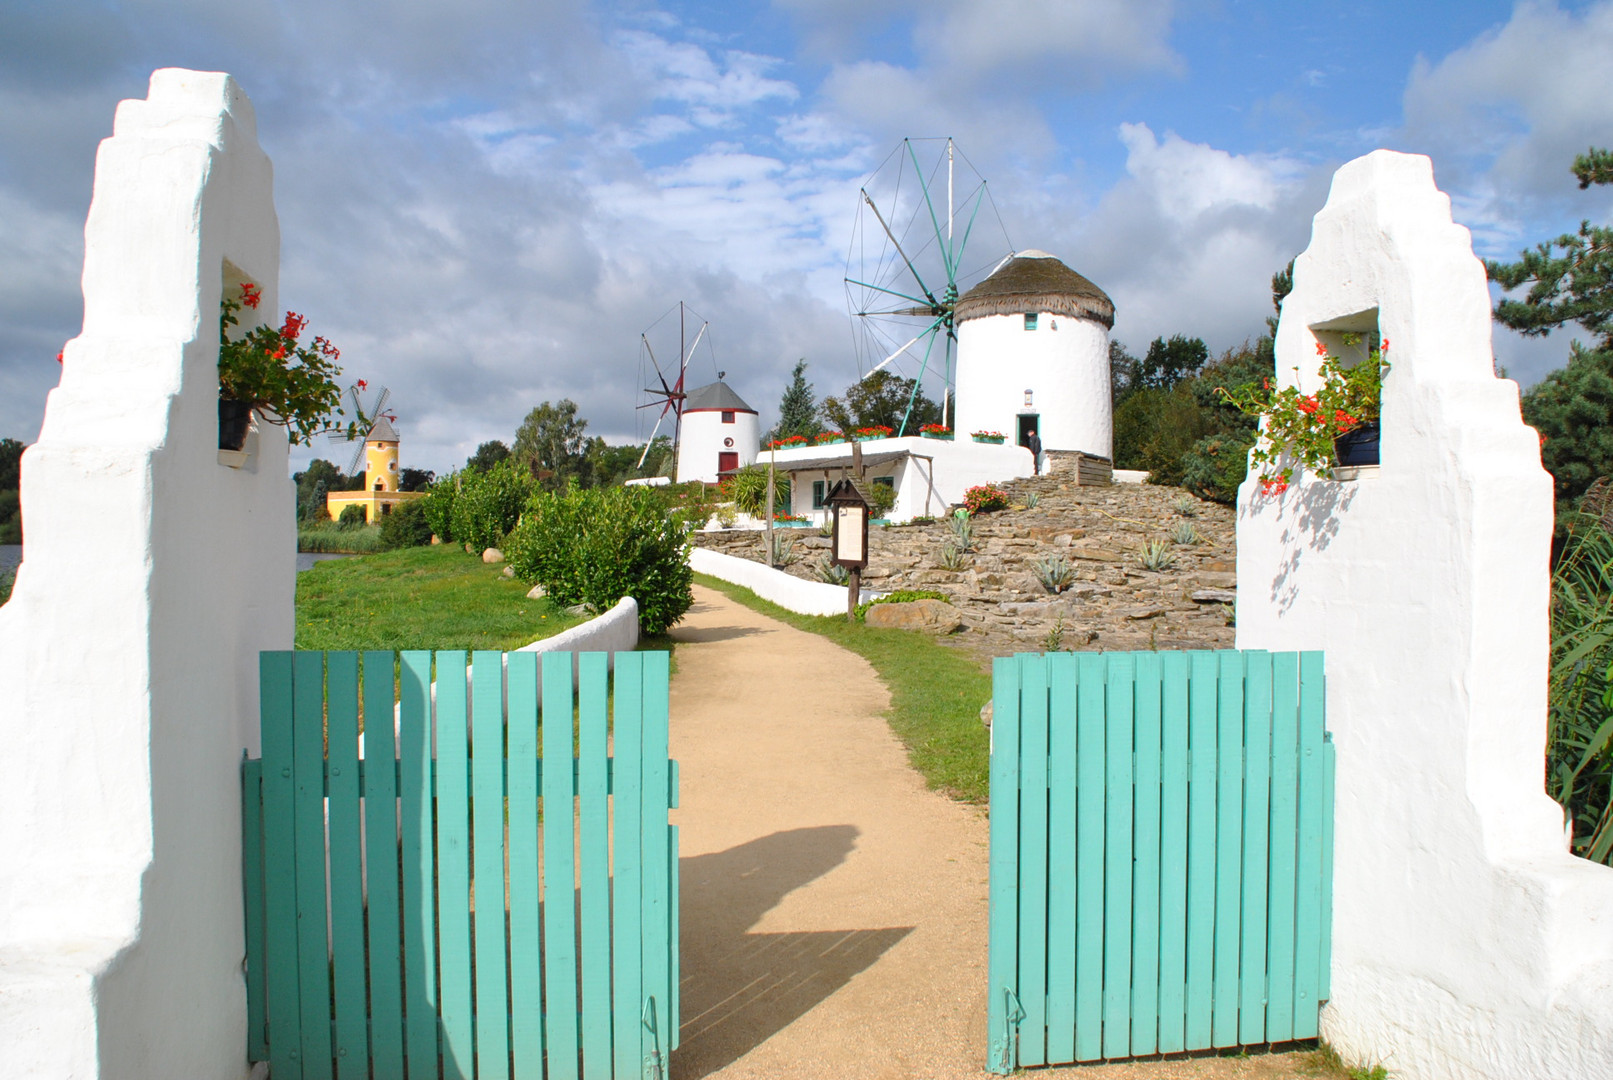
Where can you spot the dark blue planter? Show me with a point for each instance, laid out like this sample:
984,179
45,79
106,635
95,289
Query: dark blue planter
1358,446
234,417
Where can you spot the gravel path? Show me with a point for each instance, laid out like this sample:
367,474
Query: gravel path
833,909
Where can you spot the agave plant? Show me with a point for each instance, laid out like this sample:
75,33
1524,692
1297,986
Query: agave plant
1185,534
1054,572
783,552
1156,555
1579,732
963,531
832,573
952,557
1032,501
1185,506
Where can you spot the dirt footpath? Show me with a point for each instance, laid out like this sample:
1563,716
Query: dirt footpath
833,909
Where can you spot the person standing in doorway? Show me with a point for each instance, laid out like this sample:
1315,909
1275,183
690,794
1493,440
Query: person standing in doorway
1034,445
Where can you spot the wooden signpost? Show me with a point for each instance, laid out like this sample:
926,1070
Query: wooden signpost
849,547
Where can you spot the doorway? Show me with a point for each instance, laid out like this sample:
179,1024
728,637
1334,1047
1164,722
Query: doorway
1028,423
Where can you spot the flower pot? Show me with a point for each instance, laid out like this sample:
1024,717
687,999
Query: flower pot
997,439
1358,446
234,417
937,435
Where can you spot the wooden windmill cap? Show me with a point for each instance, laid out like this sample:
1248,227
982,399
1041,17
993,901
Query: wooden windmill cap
381,432
1034,281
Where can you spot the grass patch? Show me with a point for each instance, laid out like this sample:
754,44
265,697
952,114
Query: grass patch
327,536
1325,1061
419,598
936,693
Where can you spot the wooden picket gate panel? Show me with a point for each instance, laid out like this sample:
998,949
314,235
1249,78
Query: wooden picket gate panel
1161,854
398,916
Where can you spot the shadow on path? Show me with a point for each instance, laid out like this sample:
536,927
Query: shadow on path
702,634
739,988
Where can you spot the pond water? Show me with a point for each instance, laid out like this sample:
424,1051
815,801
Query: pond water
11,555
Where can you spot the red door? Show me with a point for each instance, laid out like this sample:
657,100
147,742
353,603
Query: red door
727,461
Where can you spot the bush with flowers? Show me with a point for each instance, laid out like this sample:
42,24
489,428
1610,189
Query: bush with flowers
984,498
1304,427
286,381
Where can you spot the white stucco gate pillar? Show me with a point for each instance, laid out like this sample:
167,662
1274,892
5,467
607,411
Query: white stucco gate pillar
1467,942
153,574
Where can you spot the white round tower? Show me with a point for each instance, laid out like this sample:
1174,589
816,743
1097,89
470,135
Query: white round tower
720,434
1033,354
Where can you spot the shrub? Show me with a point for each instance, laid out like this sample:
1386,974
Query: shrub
984,498
1216,465
880,500
352,517
748,490
326,536
597,545
439,506
405,526
489,504
8,578
1579,737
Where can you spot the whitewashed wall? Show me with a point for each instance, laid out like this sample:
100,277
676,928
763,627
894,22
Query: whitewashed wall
704,436
1467,942
785,590
152,576
957,465
1064,362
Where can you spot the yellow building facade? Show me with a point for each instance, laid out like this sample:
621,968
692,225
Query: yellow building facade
380,492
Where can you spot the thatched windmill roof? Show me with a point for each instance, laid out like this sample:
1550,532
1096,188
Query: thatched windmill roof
1034,281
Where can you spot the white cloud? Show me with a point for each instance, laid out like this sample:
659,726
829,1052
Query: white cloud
1505,115
1056,41
1188,179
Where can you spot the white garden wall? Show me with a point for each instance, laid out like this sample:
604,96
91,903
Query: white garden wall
1467,942
785,590
153,575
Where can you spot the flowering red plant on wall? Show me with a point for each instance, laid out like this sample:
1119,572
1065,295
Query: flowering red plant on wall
788,442
1304,427
878,431
935,429
286,381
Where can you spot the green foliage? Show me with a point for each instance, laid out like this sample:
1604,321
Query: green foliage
1572,408
1156,555
594,546
8,578
900,596
487,455
488,504
328,536
405,526
1184,534
416,479
1216,465
419,598
1165,364
881,498
1570,278
1579,731
963,531
550,444
314,482
352,517
747,490
782,549
830,572
1304,426
882,399
287,382
10,491
1154,428
438,506
1122,368
797,409
1054,572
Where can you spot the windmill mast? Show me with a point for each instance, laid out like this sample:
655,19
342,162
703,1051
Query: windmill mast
677,418
946,381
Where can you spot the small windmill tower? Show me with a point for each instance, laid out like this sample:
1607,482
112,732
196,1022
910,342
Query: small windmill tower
1033,355
720,433
380,494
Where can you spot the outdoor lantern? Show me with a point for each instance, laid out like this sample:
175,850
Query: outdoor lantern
1027,399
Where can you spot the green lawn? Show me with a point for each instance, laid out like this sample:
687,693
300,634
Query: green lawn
419,598
936,693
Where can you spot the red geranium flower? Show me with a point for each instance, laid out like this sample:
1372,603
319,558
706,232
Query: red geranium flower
251,295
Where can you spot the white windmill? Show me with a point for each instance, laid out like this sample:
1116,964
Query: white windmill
911,257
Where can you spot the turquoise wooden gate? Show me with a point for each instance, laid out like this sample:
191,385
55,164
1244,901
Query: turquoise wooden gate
1161,854
486,911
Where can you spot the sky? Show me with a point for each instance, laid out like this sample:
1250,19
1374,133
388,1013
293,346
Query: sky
486,203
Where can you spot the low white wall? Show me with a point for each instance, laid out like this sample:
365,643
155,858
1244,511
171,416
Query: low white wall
958,464
785,590
612,632
1468,944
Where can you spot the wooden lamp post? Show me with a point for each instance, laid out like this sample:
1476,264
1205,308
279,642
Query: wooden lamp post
849,546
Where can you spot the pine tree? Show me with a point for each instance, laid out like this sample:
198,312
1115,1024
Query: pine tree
1570,280
797,409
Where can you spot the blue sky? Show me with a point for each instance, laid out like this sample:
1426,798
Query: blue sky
484,203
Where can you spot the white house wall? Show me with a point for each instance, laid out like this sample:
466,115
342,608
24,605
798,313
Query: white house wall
152,576
1064,362
1467,943
957,465
704,436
